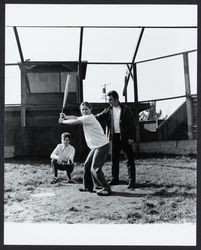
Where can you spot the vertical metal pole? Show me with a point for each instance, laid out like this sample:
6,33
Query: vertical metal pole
126,97
80,82
135,83
60,82
18,44
134,56
80,67
27,85
105,94
23,97
188,97
136,107
125,84
23,81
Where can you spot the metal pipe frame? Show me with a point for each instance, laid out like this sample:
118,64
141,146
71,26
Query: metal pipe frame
21,57
104,63
18,44
164,99
103,27
133,60
80,66
162,57
107,63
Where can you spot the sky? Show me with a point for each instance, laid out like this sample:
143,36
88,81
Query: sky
156,79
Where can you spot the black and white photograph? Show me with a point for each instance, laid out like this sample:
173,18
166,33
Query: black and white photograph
100,124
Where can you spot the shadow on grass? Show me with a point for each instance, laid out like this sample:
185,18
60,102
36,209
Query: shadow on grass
161,194
63,180
126,194
154,185
164,194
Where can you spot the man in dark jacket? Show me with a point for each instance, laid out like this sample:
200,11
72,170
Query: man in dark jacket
120,123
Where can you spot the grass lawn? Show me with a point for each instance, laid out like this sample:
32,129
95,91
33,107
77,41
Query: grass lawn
165,193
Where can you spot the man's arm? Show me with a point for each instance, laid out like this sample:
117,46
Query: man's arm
102,116
130,119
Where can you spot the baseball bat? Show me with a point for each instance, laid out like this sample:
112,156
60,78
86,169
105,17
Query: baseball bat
66,90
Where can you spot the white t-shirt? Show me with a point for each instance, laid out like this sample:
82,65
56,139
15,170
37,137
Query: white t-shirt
93,132
64,153
116,118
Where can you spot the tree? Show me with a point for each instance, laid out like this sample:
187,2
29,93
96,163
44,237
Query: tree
151,113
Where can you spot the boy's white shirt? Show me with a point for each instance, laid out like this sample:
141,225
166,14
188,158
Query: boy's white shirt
93,132
62,153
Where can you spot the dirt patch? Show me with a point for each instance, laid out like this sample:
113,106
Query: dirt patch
166,192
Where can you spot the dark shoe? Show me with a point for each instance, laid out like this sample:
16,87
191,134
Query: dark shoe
114,182
85,190
104,192
131,185
69,176
98,187
54,180
69,181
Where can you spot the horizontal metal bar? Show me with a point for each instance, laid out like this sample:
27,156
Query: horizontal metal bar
56,62
117,63
168,98
12,64
36,63
95,26
162,57
44,63
109,63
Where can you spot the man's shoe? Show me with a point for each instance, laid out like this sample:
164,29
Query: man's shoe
104,192
114,182
69,176
69,181
54,180
85,190
131,185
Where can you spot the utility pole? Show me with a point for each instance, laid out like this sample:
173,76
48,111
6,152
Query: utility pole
104,91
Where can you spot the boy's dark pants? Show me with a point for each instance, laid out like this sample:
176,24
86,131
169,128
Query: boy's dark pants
56,166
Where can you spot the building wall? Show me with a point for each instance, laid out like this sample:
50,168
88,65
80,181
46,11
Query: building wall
42,132
187,147
48,88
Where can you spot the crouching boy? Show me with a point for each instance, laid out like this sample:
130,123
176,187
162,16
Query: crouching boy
62,158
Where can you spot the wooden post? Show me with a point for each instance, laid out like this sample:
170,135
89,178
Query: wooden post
188,97
23,96
136,107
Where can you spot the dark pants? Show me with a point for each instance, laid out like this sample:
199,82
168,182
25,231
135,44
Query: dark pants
66,167
93,174
117,146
